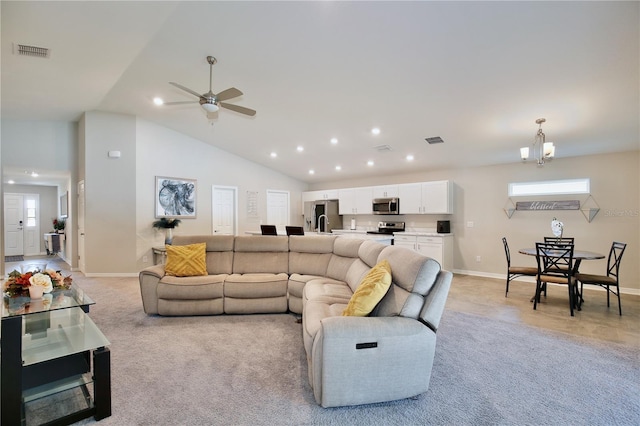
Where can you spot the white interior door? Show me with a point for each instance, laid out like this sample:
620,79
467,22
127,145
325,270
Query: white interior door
31,219
13,225
224,209
278,208
81,200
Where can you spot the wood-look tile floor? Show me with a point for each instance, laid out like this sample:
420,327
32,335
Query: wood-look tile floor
485,296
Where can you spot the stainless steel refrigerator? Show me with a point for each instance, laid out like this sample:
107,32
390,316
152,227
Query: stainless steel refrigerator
313,210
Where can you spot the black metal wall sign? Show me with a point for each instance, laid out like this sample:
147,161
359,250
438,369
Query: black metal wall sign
548,205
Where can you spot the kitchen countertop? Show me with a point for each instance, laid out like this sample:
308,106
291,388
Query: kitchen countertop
408,233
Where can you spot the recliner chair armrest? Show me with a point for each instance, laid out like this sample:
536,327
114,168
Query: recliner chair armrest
434,303
149,279
362,360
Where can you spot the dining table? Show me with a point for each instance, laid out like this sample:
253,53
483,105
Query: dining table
578,257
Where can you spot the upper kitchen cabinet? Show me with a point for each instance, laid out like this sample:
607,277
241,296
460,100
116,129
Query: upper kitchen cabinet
385,191
325,194
355,200
426,197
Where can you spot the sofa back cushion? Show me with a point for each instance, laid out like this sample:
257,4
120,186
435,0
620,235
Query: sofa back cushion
219,250
261,254
310,255
345,252
413,275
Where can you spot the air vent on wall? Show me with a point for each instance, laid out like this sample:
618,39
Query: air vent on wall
435,139
25,50
383,148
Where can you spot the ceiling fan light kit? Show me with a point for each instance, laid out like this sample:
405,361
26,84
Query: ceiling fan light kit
542,150
210,101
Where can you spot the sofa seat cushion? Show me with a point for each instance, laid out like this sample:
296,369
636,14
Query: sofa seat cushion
191,288
297,283
314,313
256,286
327,290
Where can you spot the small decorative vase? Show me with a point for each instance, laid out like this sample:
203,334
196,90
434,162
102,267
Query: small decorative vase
168,236
36,291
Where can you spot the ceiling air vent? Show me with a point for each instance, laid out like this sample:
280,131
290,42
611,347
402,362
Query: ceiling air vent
383,148
25,50
435,139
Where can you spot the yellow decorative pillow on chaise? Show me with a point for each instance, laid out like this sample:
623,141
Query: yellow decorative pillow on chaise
371,290
186,261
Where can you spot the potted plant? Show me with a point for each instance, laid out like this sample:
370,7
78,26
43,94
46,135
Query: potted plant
167,224
58,225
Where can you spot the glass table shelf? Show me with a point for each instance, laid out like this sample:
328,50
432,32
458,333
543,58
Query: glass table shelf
59,333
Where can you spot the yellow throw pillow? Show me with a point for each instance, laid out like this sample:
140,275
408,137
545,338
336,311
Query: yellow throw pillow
371,290
186,261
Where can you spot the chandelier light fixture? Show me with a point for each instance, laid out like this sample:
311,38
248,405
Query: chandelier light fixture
542,150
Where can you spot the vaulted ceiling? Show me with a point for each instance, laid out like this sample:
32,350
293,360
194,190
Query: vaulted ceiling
477,74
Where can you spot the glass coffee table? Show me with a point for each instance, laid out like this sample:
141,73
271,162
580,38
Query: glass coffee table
55,366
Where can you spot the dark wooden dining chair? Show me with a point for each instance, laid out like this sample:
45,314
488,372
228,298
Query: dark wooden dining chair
268,230
515,271
555,265
294,230
611,279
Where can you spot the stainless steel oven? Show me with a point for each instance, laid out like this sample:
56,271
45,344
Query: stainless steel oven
386,206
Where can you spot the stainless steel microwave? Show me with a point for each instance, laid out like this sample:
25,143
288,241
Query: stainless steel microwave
386,206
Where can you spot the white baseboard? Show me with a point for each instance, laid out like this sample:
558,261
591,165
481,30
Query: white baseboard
111,274
623,290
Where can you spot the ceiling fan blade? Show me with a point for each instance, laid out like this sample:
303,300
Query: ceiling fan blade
181,103
238,108
228,94
186,89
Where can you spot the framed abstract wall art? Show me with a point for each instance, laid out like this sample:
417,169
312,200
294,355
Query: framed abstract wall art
175,197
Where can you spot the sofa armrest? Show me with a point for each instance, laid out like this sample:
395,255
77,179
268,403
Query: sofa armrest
362,360
149,279
435,301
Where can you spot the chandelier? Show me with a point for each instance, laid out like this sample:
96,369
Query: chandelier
542,151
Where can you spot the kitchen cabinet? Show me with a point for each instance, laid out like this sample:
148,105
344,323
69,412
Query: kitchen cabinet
385,191
324,194
355,200
426,197
438,247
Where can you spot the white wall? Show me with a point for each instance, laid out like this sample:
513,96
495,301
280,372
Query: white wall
164,152
110,193
481,194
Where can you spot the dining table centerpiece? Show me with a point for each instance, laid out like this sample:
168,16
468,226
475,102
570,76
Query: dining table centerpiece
35,283
557,227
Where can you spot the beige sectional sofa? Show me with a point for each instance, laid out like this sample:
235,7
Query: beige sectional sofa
385,356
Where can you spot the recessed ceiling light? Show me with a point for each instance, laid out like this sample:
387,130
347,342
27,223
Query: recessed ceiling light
370,163
34,174
11,181
334,141
158,101
375,131
300,148
410,157
273,155
338,168
311,171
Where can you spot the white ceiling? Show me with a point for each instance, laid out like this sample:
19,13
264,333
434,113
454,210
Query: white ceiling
477,74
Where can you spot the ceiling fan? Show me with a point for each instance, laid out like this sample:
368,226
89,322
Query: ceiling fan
211,101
